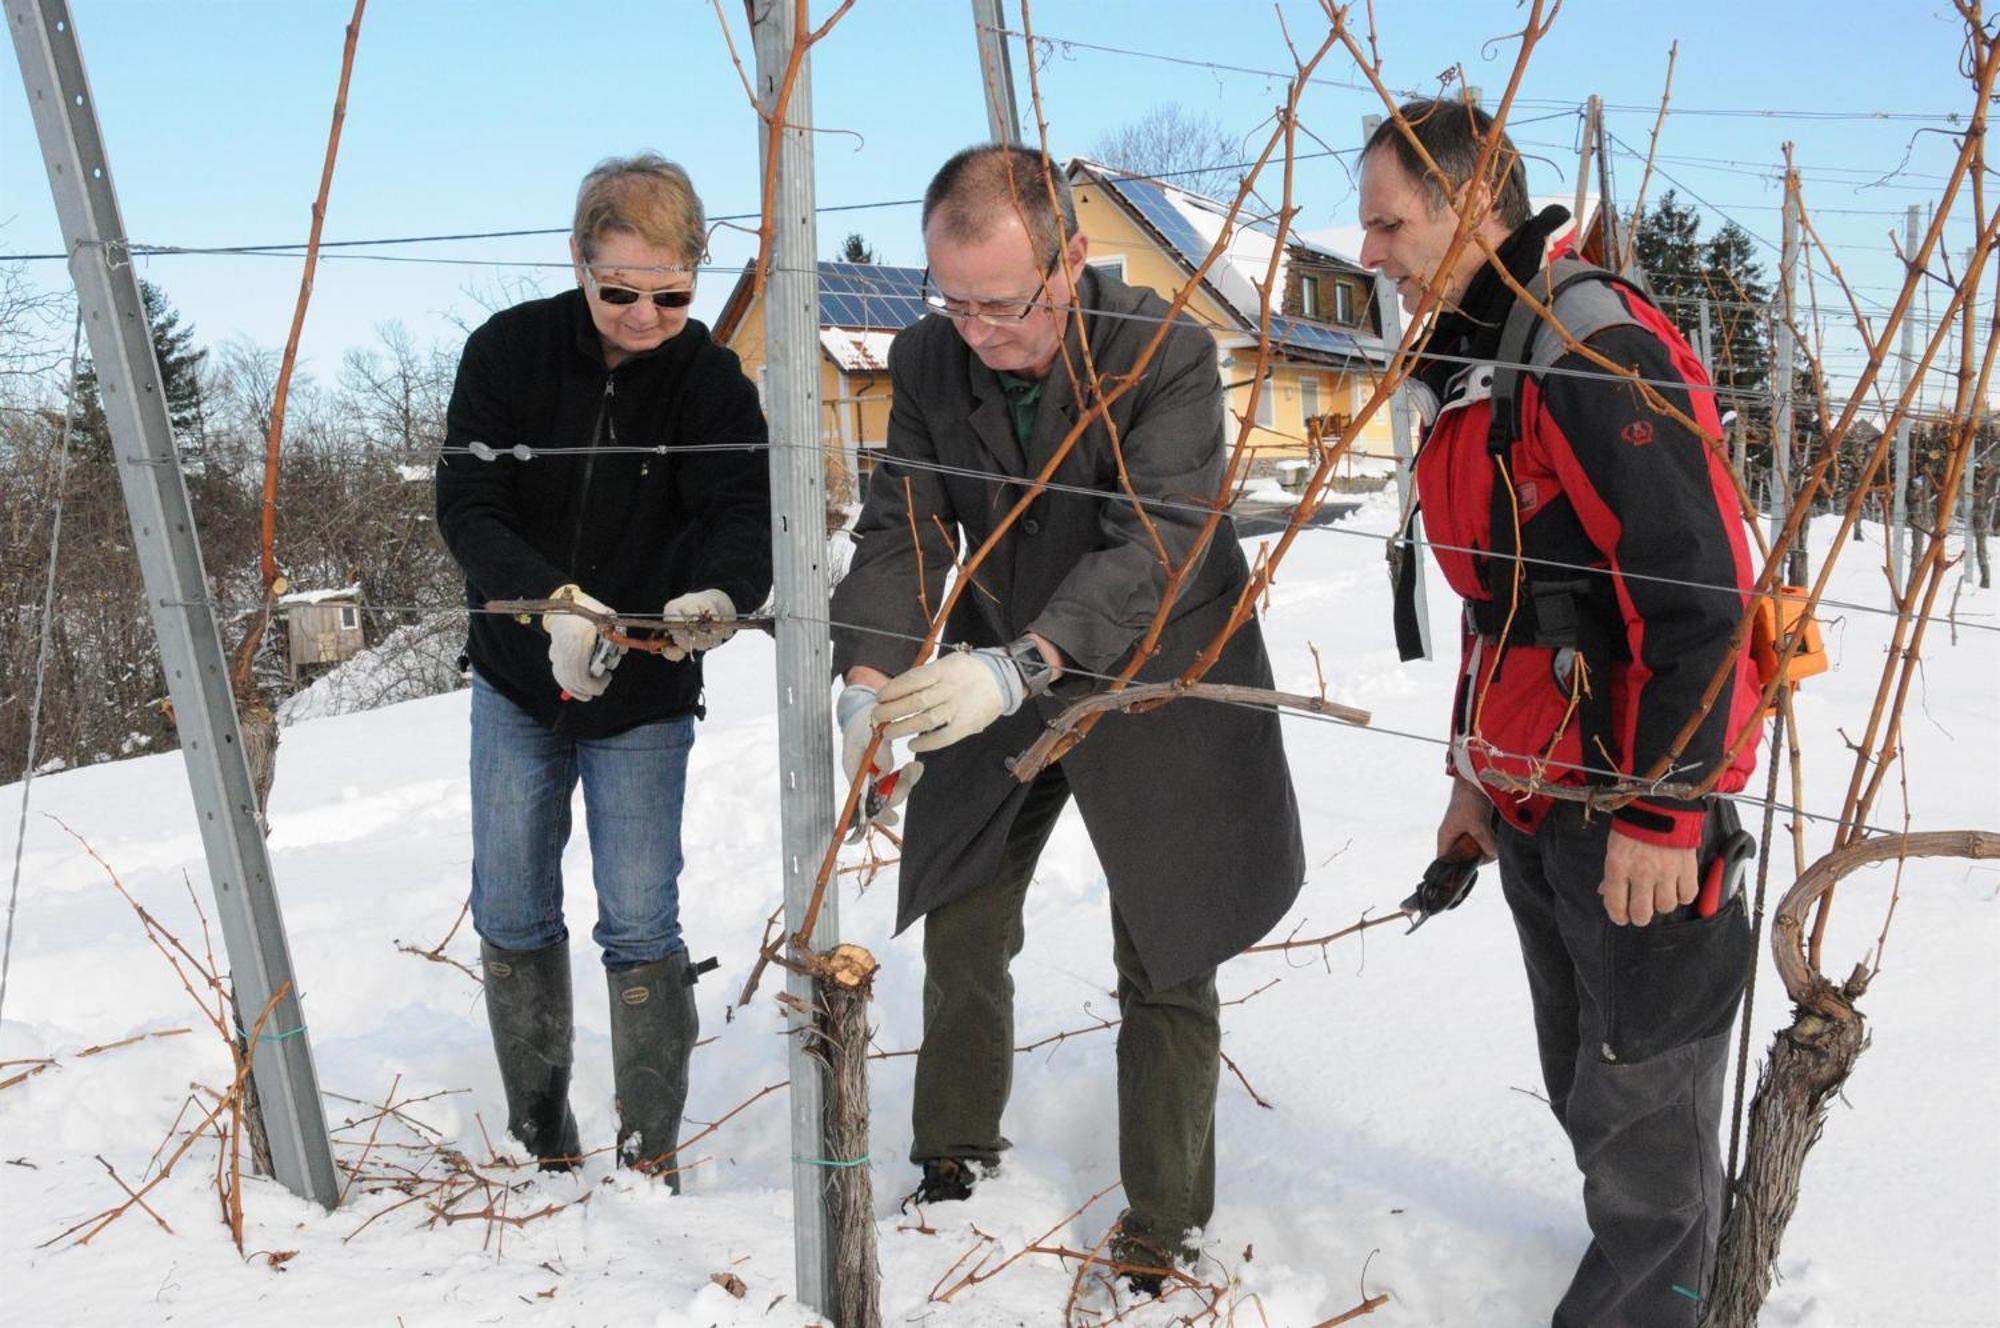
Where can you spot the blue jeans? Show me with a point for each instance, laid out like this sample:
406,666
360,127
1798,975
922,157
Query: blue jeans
633,785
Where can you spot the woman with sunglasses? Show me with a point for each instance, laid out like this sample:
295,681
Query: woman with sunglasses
599,449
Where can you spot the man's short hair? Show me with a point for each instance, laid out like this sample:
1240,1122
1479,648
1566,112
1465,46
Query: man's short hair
1451,132
981,184
644,195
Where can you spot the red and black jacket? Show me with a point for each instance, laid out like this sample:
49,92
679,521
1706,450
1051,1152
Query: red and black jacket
1634,570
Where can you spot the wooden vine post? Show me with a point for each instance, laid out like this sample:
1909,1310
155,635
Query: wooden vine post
846,976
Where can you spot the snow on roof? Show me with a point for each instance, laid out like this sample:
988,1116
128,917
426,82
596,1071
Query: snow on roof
857,351
1191,223
321,596
1239,277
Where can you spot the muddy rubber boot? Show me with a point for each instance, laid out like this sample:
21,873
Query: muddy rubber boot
653,1031
528,1007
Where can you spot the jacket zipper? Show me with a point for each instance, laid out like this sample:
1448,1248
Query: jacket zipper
605,428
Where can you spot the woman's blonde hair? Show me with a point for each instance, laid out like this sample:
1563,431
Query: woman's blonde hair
644,195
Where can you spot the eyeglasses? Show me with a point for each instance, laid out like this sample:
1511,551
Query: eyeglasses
624,295
994,312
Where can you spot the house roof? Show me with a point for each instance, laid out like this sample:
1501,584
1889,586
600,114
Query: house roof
857,350
352,592
1187,226
860,296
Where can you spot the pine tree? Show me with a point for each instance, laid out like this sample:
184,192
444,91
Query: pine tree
1739,292
180,376
1668,249
854,249
1685,270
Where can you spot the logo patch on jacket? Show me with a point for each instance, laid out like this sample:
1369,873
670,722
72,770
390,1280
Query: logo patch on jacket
1638,433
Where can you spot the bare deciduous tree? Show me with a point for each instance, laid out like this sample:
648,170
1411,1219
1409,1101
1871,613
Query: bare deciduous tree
1172,143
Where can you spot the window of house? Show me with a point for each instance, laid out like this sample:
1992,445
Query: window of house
350,617
1308,397
1111,263
1343,304
1309,297
1266,411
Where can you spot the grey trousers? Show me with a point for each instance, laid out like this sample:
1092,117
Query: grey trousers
1169,1043
1633,1029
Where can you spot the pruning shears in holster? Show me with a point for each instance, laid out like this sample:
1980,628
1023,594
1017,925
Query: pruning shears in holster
1726,851
1446,883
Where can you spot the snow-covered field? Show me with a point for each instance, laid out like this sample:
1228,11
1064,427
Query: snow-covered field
1403,1149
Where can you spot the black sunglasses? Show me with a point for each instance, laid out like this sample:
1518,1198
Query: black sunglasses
626,295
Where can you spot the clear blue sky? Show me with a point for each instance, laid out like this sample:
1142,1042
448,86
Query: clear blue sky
478,117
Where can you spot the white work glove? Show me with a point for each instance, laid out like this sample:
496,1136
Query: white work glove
717,622
572,644
855,712
952,697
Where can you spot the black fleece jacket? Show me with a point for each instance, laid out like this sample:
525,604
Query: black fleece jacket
633,528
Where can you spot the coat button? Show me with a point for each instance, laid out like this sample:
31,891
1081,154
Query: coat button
1031,527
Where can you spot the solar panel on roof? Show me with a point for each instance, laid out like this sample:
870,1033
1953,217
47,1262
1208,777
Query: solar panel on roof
1152,203
869,295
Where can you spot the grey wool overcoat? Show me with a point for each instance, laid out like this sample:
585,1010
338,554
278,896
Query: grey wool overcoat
1189,806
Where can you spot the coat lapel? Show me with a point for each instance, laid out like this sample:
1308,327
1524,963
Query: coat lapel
1059,401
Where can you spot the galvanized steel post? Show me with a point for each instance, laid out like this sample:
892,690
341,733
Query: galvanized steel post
163,532
798,547
1899,465
996,72
1781,425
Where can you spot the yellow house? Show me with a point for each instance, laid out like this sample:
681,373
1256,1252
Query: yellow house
861,308
1325,349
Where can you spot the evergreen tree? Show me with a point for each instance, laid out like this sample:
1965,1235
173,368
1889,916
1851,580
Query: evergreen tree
180,376
1668,249
854,249
1684,270
1739,291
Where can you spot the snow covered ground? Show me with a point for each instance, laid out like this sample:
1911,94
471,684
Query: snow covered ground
1403,1149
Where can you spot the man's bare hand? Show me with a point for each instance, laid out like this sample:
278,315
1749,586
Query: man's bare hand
1468,813
1642,879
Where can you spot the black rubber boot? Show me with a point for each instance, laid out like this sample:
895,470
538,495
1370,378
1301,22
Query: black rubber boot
946,1180
1147,1260
653,1029
528,1007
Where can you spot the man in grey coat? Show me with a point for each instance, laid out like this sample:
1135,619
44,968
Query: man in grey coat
1189,806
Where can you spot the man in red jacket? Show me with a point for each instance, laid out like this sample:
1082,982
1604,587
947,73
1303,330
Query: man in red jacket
1595,541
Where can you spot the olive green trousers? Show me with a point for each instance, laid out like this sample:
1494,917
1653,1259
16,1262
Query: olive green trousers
1169,1042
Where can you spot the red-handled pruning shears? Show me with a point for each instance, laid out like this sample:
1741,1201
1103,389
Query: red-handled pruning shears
1720,880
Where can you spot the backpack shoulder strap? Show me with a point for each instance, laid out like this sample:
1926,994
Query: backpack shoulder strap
1584,299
